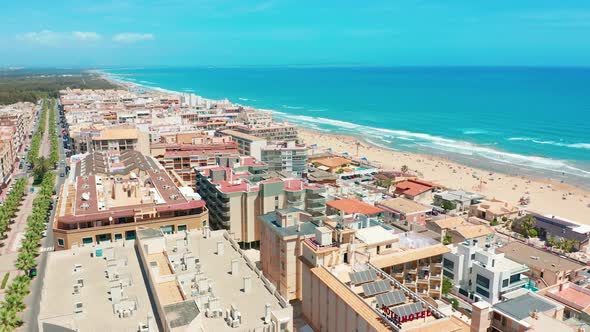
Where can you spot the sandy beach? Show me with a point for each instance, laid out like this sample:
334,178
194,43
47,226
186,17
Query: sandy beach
546,196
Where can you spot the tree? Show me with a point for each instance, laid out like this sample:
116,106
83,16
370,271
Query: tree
25,261
9,319
447,205
447,239
404,168
454,303
447,285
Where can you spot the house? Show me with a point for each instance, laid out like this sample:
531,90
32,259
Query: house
331,164
403,209
546,268
559,228
458,229
352,206
494,209
480,273
414,189
459,200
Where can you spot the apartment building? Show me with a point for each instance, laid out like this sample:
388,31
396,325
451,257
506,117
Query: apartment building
184,158
239,190
273,132
99,138
550,226
282,233
248,145
460,200
203,281
481,274
285,157
108,194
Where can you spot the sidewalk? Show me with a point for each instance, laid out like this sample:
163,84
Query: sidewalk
17,229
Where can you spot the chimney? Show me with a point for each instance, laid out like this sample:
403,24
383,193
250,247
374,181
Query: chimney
235,267
247,284
298,227
267,313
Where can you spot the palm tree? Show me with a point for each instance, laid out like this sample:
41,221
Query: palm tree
9,320
25,261
404,168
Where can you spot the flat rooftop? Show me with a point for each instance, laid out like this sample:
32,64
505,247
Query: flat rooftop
537,259
522,306
221,284
97,313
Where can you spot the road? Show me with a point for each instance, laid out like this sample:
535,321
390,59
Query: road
31,314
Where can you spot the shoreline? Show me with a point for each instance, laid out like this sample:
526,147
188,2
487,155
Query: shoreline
548,196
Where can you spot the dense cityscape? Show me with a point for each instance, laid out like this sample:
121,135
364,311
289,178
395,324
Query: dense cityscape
133,209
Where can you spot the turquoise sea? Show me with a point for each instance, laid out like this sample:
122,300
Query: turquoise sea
533,121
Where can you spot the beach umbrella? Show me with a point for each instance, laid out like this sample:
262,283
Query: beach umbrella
314,145
364,159
345,153
329,149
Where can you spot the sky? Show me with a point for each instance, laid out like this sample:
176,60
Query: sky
95,33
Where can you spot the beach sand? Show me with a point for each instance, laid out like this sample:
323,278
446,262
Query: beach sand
546,196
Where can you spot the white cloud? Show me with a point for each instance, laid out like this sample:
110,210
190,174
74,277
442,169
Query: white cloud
48,37
86,35
132,37
42,37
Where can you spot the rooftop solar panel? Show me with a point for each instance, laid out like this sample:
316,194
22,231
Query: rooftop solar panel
390,299
376,287
362,277
407,309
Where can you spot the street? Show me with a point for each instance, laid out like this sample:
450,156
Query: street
31,313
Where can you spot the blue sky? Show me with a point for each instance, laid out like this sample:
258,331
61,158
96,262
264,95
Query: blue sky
278,32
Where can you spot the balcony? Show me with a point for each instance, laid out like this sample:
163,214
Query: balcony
315,208
314,198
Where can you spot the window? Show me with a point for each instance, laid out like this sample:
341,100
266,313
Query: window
60,242
181,228
87,240
448,274
482,292
483,281
448,264
505,283
118,236
515,278
472,256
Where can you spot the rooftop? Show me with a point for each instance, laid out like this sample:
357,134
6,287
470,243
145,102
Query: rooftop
76,267
112,185
412,187
353,205
522,306
207,272
460,195
404,205
537,259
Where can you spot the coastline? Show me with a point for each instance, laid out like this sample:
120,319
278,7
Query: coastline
547,196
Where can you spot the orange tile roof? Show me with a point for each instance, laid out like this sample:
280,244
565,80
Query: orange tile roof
350,206
412,187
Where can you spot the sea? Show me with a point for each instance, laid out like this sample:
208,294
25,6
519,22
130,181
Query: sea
517,120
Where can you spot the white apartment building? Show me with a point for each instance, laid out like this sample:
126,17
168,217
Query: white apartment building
479,273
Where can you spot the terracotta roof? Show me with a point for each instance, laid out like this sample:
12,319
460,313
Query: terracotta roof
412,187
332,161
350,206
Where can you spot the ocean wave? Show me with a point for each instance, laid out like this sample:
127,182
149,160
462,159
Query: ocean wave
293,107
561,144
147,82
243,99
316,110
474,132
188,90
404,138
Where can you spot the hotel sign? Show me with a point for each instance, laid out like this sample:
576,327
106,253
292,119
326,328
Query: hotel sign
398,320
